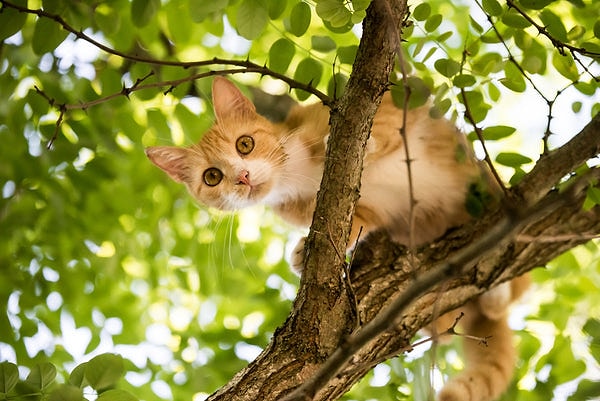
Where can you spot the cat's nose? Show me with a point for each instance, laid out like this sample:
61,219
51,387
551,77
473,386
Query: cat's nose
243,178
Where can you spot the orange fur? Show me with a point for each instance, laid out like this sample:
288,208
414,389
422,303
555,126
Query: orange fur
283,169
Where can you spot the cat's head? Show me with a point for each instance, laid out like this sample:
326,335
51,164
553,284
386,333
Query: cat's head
236,163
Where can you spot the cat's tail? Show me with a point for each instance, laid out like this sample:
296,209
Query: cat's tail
490,359
488,348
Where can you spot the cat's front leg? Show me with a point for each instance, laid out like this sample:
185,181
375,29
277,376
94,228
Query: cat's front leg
298,256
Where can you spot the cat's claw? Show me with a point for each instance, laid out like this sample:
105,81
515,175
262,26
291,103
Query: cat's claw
298,256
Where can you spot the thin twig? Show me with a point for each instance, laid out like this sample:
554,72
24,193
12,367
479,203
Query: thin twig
479,134
558,44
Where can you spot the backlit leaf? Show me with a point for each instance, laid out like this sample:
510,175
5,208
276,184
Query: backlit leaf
492,7
512,159
554,25
201,9
300,18
66,392
535,4
47,35
322,43
513,78
11,21
281,54
9,375
142,11
309,71
334,12
116,395
41,375
464,80
104,370
347,54
513,19
421,12
433,22
497,132
565,65
252,18
447,67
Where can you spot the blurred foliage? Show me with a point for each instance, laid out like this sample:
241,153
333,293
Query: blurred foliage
100,253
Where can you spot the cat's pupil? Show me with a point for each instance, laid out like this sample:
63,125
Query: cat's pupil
244,144
212,176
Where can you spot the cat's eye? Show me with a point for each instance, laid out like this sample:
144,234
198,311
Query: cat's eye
212,176
244,144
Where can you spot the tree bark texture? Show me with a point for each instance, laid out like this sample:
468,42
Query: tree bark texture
334,302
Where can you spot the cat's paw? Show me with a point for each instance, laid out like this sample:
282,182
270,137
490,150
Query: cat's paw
298,256
495,302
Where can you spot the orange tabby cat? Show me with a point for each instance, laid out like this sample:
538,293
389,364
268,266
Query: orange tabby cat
244,159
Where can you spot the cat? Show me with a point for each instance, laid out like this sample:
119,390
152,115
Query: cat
244,159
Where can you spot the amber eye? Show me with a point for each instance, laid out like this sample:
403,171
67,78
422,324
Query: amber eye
212,176
244,144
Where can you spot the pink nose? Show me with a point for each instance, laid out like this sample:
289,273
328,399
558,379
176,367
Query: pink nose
243,178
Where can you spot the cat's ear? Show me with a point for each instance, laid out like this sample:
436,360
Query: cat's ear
172,160
228,100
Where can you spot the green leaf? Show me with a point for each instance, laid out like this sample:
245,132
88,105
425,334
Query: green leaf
201,9
597,29
476,26
492,7
576,106
593,195
334,12
477,105
554,25
47,35
493,91
421,12
511,159
252,18
9,375
11,21
337,85
66,392
592,328
447,67
565,65
497,132
276,8
419,93
586,390
513,19
77,376
433,22
116,395
513,78
488,63
347,54
281,54
104,370
142,11
535,4
300,18
42,375
464,80
309,71
322,44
